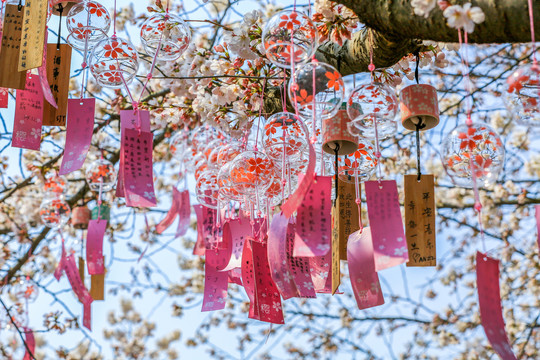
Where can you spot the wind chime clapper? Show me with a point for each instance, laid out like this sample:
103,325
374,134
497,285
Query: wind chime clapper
62,6
419,112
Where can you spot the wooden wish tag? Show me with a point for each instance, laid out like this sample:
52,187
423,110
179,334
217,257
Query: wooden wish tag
347,220
420,215
97,285
33,34
10,77
336,264
81,268
58,70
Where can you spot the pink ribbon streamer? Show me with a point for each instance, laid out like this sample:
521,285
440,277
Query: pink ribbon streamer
361,262
28,115
215,281
199,248
184,213
30,342
130,119
137,168
60,267
80,127
42,72
386,224
78,288
489,297
94,246
171,214
314,220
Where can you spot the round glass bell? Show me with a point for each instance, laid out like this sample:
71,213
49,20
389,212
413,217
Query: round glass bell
87,22
361,164
523,96
54,212
251,173
114,62
101,175
477,150
317,89
169,33
207,189
283,132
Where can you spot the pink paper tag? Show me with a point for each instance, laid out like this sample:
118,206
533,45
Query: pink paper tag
171,214
235,233
42,72
184,213
30,342
28,115
321,273
80,127
278,239
364,278
215,281
489,297
248,279
299,267
266,292
386,224
235,276
130,119
296,198
94,246
537,214
314,220
209,230
199,248
139,177
78,288
4,96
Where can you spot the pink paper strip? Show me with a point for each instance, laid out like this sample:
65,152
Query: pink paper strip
30,342
299,267
248,279
80,127
235,276
386,224
139,177
199,248
94,246
314,220
28,115
321,273
130,119
209,231
489,297
268,299
537,214
4,96
78,288
296,198
236,232
42,72
184,213
171,214
215,281
278,238
361,262
60,266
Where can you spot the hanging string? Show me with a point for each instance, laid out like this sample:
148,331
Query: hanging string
60,11
371,68
419,124
358,200
20,6
336,165
469,122
533,41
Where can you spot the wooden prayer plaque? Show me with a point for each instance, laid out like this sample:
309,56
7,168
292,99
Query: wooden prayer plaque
33,34
336,264
97,286
420,215
58,69
10,77
81,268
347,221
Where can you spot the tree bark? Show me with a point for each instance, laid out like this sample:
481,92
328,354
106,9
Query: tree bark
397,31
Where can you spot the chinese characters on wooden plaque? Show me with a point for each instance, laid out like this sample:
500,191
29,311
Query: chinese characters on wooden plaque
58,72
10,76
33,34
420,215
348,220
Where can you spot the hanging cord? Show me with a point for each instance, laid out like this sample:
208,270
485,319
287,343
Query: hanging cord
358,200
533,41
419,125
60,11
336,165
20,6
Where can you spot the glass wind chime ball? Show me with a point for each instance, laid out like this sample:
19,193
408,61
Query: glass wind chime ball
54,212
25,290
55,185
252,173
361,164
169,33
317,89
179,143
370,103
207,189
114,62
87,22
477,149
289,38
523,97
284,133
101,175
